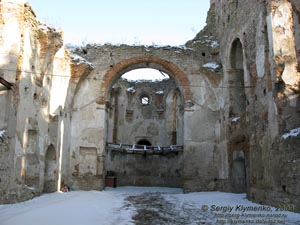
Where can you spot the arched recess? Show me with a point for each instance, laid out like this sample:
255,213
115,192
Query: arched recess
50,175
160,119
236,81
174,122
238,145
153,123
144,62
104,124
144,142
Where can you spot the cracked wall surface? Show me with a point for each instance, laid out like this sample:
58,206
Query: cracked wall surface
28,62
238,81
269,40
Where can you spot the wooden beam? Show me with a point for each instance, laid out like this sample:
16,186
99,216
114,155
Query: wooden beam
5,83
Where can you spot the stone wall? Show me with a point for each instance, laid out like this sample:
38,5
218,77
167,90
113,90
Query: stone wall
157,122
270,79
201,102
130,120
162,168
238,81
29,60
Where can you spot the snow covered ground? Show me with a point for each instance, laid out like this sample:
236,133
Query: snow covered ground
141,205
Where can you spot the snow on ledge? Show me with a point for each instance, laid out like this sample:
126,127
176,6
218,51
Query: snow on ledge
214,44
44,27
2,133
292,133
131,90
144,75
159,92
211,65
78,60
234,119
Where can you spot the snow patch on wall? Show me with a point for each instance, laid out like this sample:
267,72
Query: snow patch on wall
211,66
2,133
234,119
79,60
208,41
159,92
131,90
214,44
292,133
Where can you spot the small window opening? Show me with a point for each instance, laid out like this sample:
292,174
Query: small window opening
284,188
145,99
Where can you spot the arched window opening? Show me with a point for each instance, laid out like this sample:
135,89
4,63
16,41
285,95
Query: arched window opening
236,56
145,99
144,142
140,106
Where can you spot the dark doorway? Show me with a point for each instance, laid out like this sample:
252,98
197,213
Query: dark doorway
144,142
238,172
50,184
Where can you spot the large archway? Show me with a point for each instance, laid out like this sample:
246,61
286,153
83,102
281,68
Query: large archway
145,62
144,109
100,117
145,119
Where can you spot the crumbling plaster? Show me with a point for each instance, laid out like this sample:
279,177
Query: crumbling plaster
33,56
269,38
110,62
62,100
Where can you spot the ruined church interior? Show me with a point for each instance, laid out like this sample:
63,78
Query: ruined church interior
223,114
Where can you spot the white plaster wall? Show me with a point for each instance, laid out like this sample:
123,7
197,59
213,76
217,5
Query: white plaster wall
260,45
11,39
86,130
59,82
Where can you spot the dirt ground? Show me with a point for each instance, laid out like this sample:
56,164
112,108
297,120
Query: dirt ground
154,209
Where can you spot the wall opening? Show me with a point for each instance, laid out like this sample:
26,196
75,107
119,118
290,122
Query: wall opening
50,174
238,175
145,99
145,117
144,62
144,142
141,105
145,75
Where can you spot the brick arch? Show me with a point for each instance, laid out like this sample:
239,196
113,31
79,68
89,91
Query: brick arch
145,62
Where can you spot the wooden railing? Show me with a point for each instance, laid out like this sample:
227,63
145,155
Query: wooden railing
134,148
